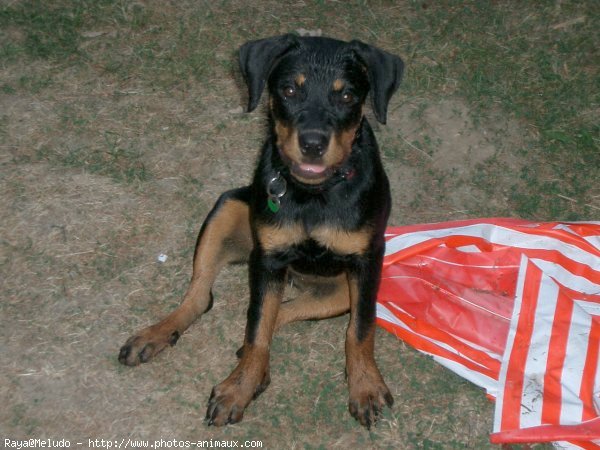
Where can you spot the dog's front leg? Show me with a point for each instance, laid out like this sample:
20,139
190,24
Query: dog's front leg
368,392
251,377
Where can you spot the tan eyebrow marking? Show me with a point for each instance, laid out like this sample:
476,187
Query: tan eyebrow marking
300,79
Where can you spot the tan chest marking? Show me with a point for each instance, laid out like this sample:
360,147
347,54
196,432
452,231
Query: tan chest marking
275,237
342,241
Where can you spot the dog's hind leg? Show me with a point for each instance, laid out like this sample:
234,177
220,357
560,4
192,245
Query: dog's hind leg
319,298
225,237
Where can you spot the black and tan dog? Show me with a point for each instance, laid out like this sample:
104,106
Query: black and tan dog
315,213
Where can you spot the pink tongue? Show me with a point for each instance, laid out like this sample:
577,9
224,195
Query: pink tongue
312,168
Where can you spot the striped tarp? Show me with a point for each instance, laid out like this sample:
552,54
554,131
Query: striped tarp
512,306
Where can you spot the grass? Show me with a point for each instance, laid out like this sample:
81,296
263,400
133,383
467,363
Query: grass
120,126
541,66
485,52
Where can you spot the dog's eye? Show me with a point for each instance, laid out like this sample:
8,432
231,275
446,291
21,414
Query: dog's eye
347,97
289,91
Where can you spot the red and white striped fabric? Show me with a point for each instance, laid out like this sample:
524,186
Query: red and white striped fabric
512,306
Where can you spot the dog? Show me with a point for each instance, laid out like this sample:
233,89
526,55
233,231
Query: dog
315,214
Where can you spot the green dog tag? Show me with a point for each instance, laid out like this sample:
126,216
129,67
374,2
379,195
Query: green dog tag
273,204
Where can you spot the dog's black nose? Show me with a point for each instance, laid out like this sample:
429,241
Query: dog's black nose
313,143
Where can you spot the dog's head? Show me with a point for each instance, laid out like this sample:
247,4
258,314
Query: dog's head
317,88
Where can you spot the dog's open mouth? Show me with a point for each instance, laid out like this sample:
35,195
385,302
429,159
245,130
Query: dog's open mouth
307,172
310,171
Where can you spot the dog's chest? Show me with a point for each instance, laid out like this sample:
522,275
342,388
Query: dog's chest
275,238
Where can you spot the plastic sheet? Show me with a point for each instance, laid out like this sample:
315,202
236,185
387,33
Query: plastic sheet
512,306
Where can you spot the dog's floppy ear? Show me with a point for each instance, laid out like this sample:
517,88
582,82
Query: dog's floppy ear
256,61
384,71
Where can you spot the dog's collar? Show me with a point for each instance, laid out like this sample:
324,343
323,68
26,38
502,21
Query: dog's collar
346,173
277,185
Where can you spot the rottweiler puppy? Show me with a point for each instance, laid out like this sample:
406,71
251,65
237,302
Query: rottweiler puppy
315,213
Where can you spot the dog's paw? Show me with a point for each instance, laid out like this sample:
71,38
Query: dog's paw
225,406
368,397
229,400
143,346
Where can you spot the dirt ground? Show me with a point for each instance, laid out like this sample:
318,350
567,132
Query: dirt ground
99,177
82,273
